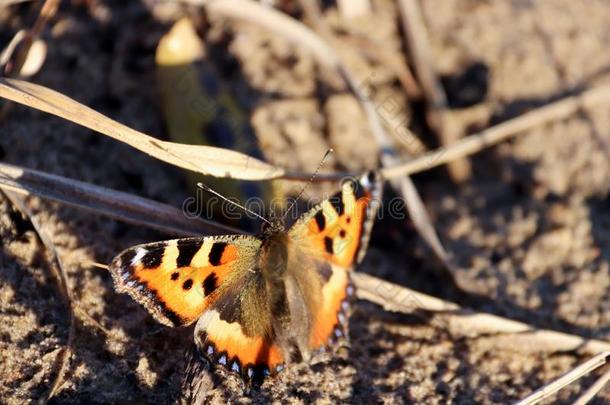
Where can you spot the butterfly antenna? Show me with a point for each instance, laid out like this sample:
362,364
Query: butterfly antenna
313,176
209,190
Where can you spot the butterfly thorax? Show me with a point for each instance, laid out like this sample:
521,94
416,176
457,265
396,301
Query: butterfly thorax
274,252
273,264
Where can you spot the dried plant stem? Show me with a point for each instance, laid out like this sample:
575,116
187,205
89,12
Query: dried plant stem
468,324
416,37
566,379
437,115
116,204
59,272
498,133
48,10
593,390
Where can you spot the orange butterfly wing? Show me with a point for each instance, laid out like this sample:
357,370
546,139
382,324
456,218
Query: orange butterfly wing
337,232
177,280
210,279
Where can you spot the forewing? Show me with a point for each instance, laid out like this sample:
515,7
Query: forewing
338,229
177,280
326,243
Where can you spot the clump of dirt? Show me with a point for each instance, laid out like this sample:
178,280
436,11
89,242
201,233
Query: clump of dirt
529,230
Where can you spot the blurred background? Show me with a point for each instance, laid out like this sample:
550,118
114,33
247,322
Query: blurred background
526,222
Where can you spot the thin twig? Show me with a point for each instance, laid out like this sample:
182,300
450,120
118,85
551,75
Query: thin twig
48,10
594,389
498,133
437,114
105,201
417,39
566,379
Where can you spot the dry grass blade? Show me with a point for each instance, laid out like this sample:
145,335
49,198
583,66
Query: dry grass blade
498,133
464,323
207,160
116,204
566,379
593,390
59,272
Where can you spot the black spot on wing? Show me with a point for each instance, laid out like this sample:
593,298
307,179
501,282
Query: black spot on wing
216,253
174,276
320,220
328,244
187,248
153,259
342,233
337,202
210,284
187,284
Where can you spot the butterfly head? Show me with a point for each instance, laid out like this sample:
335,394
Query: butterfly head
274,225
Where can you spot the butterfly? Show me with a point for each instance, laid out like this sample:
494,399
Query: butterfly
259,301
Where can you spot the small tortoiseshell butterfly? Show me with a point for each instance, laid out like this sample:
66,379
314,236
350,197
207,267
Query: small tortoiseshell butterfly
260,301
